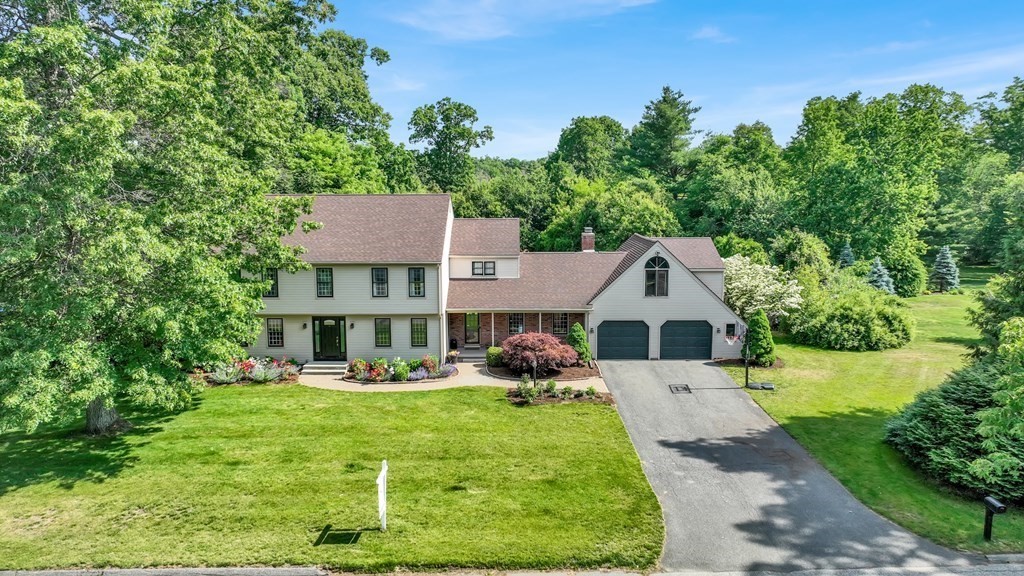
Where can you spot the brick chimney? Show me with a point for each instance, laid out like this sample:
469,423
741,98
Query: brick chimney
587,239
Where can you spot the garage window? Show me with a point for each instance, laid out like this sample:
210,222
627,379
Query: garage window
656,277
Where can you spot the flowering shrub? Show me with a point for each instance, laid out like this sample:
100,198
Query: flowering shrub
521,351
398,370
359,368
260,371
430,363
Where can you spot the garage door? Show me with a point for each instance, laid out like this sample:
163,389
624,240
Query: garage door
686,340
622,340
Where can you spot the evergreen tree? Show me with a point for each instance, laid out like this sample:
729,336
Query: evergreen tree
760,345
577,338
846,258
879,277
945,275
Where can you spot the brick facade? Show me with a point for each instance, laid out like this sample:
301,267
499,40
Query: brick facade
457,326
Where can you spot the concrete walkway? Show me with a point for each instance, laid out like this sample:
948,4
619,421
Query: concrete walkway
470,374
738,493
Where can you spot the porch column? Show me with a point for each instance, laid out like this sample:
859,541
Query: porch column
492,328
540,323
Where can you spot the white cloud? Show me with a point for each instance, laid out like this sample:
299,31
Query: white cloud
712,34
396,83
1009,59
470,20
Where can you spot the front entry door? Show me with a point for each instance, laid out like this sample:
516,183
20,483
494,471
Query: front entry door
328,338
472,328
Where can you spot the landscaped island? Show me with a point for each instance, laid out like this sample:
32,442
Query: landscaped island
836,404
254,474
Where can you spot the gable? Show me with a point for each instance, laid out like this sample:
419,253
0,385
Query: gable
685,290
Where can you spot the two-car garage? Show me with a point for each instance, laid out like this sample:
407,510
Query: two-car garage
630,340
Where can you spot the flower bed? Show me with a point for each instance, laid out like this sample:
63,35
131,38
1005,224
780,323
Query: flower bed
398,370
549,393
252,370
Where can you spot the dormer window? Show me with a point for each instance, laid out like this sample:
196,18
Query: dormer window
656,277
483,268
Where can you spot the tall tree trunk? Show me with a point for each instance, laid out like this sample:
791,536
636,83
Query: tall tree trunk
101,419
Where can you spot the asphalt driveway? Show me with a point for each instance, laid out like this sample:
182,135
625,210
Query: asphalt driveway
737,491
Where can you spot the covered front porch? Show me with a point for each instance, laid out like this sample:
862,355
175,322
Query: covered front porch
476,330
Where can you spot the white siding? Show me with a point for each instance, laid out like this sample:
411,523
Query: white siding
360,340
443,281
297,292
688,299
504,266
298,342
714,280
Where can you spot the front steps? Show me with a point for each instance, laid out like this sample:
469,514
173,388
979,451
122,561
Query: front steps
324,368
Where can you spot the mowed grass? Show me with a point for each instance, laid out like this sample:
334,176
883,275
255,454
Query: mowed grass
836,405
285,475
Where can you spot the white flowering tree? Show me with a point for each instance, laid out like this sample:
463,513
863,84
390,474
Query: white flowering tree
750,287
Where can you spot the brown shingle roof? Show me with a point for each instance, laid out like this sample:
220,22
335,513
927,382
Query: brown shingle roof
547,281
485,237
694,253
392,228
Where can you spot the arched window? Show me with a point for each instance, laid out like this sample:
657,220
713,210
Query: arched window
656,277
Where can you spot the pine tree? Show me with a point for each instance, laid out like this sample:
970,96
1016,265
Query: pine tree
945,275
879,277
760,345
846,258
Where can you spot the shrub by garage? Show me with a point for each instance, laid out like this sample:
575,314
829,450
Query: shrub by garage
522,352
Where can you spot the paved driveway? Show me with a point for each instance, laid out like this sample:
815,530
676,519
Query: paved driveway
737,491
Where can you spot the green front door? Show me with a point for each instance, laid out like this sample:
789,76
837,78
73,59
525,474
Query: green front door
472,328
328,338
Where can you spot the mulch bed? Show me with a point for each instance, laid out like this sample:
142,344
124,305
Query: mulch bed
290,379
739,362
559,375
600,398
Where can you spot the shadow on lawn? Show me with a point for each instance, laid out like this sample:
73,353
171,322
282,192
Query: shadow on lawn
68,456
333,536
794,515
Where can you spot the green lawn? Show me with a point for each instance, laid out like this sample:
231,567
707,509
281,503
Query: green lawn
253,475
836,405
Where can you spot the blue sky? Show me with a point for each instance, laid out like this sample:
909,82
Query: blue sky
530,66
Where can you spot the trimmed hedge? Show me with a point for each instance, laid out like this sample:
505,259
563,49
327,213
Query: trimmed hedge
494,356
761,346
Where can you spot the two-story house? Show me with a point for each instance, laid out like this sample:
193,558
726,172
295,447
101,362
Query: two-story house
398,275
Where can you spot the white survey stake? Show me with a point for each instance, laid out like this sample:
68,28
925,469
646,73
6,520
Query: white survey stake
382,496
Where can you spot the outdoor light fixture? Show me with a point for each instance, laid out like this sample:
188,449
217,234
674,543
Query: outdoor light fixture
303,325
591,329
351,325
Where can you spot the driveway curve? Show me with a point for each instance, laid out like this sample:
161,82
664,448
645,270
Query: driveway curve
738,493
